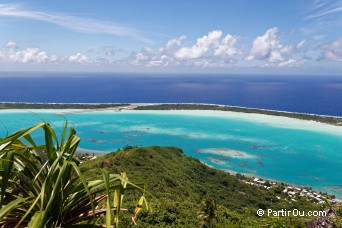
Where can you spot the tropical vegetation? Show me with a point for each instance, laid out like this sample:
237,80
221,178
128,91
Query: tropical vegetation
45,185
188,193
42,185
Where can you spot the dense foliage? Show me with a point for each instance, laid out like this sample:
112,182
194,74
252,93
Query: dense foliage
187,193
42,186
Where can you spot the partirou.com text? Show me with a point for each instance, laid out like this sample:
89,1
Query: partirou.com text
287,213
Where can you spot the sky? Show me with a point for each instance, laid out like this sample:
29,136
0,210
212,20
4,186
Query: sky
217,36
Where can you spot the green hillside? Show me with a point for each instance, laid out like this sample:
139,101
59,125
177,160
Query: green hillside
179,185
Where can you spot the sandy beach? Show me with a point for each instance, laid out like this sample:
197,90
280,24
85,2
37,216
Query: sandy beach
271,120
275,121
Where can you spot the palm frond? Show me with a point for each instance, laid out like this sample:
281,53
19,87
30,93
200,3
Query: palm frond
42,185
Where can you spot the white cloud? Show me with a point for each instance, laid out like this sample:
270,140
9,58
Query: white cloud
264,45
79,58
291,63
175,42
275,56
201,47
216,50
301,44
139,58
53,58
211,50
333,50
11,44
227,47
11,53
319,37
71,22
148,57
324,8
322,17
269,48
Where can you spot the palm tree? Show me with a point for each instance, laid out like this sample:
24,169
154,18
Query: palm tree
42,185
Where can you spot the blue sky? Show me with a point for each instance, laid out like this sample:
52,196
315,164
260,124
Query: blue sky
241,36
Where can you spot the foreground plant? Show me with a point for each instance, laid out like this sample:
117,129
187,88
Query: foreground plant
42,186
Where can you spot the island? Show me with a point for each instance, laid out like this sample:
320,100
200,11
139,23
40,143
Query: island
332,120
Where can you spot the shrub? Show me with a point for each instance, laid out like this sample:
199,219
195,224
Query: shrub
42,185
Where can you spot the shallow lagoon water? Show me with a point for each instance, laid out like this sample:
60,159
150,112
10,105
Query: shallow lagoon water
303,153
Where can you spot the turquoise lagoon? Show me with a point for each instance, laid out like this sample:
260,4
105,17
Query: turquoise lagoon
303,153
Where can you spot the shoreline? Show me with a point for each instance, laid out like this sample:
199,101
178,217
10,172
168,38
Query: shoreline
280,119
94,105
261,117
84,107
88,154
258,118
277,181
331,120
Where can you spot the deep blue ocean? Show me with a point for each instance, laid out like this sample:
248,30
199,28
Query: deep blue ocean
307,94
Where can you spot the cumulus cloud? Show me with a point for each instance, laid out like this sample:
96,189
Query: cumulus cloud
267,47
219,50
10,52
213,44
333,50
201,47
53,58
227,48
79,58
155,57
29,55
175,42
149,57
213,49
11,44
